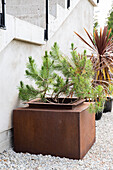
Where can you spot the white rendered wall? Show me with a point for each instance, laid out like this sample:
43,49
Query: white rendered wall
81,17
15,55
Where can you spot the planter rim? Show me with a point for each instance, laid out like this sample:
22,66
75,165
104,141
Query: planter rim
69,110
36,101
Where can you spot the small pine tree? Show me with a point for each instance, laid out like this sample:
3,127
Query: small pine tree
61,76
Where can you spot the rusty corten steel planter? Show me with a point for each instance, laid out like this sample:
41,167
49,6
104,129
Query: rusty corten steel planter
60,132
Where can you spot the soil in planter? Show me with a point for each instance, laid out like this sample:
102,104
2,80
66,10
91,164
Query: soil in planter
63,100
60,100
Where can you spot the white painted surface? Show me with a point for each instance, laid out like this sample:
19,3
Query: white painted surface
77,20
102,11
62,3
21,30
14,54
62,14
53,8
5,140
93,2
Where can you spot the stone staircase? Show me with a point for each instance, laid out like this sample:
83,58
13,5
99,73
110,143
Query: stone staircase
61,14
35,12
26,19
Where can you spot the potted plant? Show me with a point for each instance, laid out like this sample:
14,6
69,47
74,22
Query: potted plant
58,122
102,61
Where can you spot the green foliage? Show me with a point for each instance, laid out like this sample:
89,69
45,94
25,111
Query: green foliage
95,26
62,76
43,78
110,22
27,92
102,60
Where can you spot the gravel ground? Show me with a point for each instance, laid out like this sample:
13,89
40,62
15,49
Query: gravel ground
99,157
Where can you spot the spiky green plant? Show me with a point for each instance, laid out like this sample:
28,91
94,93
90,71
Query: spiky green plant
102,57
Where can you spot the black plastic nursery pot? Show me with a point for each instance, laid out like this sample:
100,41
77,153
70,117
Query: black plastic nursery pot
107,108
108,105
98,116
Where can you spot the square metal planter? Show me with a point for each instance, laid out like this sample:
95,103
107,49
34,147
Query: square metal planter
68,132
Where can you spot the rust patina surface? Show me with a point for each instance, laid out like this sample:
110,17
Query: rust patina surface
60,132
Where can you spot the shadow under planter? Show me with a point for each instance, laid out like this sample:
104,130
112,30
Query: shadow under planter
65,131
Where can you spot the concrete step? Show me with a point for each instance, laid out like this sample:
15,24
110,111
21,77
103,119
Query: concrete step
62,3
35,12
53,7
62,14
27,10
20,30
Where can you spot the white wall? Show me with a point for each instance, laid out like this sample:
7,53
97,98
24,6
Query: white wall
81,17
14,57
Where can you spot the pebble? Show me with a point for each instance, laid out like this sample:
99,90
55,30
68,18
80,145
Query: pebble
99,157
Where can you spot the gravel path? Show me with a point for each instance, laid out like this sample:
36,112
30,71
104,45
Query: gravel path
100,156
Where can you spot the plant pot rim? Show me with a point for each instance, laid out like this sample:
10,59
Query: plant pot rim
36,102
